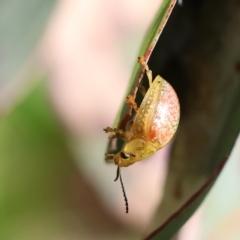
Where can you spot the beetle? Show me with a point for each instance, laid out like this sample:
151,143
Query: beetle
153,126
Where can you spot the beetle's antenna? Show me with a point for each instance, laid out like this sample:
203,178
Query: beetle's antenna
118,173
124,194
123,189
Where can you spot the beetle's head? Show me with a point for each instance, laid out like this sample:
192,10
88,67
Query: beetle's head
134,151
124,159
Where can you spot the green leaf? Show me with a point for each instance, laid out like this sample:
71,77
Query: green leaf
34,163
210,117
210,121
176,221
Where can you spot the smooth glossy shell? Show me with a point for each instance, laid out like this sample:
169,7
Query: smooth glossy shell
158,116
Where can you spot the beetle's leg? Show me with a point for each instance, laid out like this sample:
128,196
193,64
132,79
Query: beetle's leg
142,90
129,125
119,133
130,100
142,61
109,157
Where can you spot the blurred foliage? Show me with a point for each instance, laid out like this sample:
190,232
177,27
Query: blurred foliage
198,53
34,163
21,25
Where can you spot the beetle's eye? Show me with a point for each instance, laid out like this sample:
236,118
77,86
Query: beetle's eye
124,155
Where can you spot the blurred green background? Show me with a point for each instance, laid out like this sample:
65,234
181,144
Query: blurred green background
64,69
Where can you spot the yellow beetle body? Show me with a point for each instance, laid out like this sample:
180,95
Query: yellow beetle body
154,125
